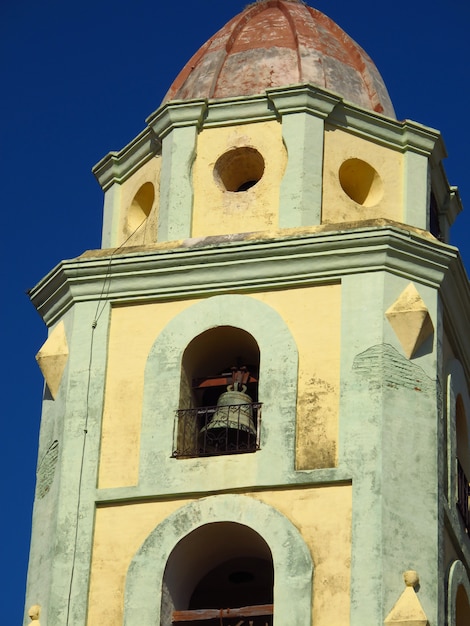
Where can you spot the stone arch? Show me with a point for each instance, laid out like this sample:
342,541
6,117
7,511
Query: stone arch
218,565
277,390
458,612
293,566
457,399
220,367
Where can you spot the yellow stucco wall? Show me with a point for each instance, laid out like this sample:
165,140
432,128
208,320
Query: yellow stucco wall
219,212
132,333
312,315
385,202
133,228
322,515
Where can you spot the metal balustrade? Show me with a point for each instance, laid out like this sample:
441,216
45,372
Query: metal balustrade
216,430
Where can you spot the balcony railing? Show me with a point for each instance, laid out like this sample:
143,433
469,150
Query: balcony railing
215,430
463,494
256,615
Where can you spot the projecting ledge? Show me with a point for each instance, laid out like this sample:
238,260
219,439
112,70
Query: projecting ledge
248,262
306,478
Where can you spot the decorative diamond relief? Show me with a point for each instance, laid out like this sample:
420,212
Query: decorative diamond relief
52,358
410,319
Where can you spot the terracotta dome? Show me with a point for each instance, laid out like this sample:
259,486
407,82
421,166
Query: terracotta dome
275,43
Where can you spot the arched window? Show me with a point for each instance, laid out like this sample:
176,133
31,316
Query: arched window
219,412
458,594
463,462
462,607
458,446
220,570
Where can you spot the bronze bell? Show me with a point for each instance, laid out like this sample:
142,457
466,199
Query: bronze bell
233,411
231,426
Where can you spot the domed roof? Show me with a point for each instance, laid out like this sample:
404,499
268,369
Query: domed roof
275,43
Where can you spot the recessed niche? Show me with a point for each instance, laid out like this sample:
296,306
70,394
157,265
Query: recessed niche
360,182
239,169
140,207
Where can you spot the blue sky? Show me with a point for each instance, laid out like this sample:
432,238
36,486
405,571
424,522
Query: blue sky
79,79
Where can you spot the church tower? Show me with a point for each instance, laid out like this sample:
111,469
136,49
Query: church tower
257,405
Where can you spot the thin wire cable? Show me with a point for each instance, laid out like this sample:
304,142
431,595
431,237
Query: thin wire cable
101,301
107,278
82,462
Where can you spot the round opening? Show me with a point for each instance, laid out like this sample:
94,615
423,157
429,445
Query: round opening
239,169
360,182
140,207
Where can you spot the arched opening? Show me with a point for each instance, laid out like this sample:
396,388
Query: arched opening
219,409
463,462
462,608
434,219
140,207
223,569
360,181
201,535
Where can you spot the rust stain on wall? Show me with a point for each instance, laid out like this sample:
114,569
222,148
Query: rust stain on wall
316,443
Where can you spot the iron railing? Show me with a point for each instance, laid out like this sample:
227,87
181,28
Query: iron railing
255,615
463,495
215,430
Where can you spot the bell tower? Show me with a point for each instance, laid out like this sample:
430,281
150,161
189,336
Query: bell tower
257,405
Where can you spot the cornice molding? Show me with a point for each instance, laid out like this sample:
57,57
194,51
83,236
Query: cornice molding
240,110
116,167
303,99
250,262
177,114
293,480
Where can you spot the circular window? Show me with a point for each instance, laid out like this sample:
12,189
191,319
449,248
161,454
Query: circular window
140,207
239,169
360,182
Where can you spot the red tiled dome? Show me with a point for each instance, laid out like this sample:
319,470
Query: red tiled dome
275,43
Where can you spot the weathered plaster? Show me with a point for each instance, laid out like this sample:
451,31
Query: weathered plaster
264,261
163,369
416,189
301,109
301,188
146,232
116,167
176,190
314,318
133,330
218,211
300,526
389,431
337,205
111,216
61,538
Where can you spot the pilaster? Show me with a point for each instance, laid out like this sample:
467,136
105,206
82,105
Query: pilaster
177,125
303,111
416,190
